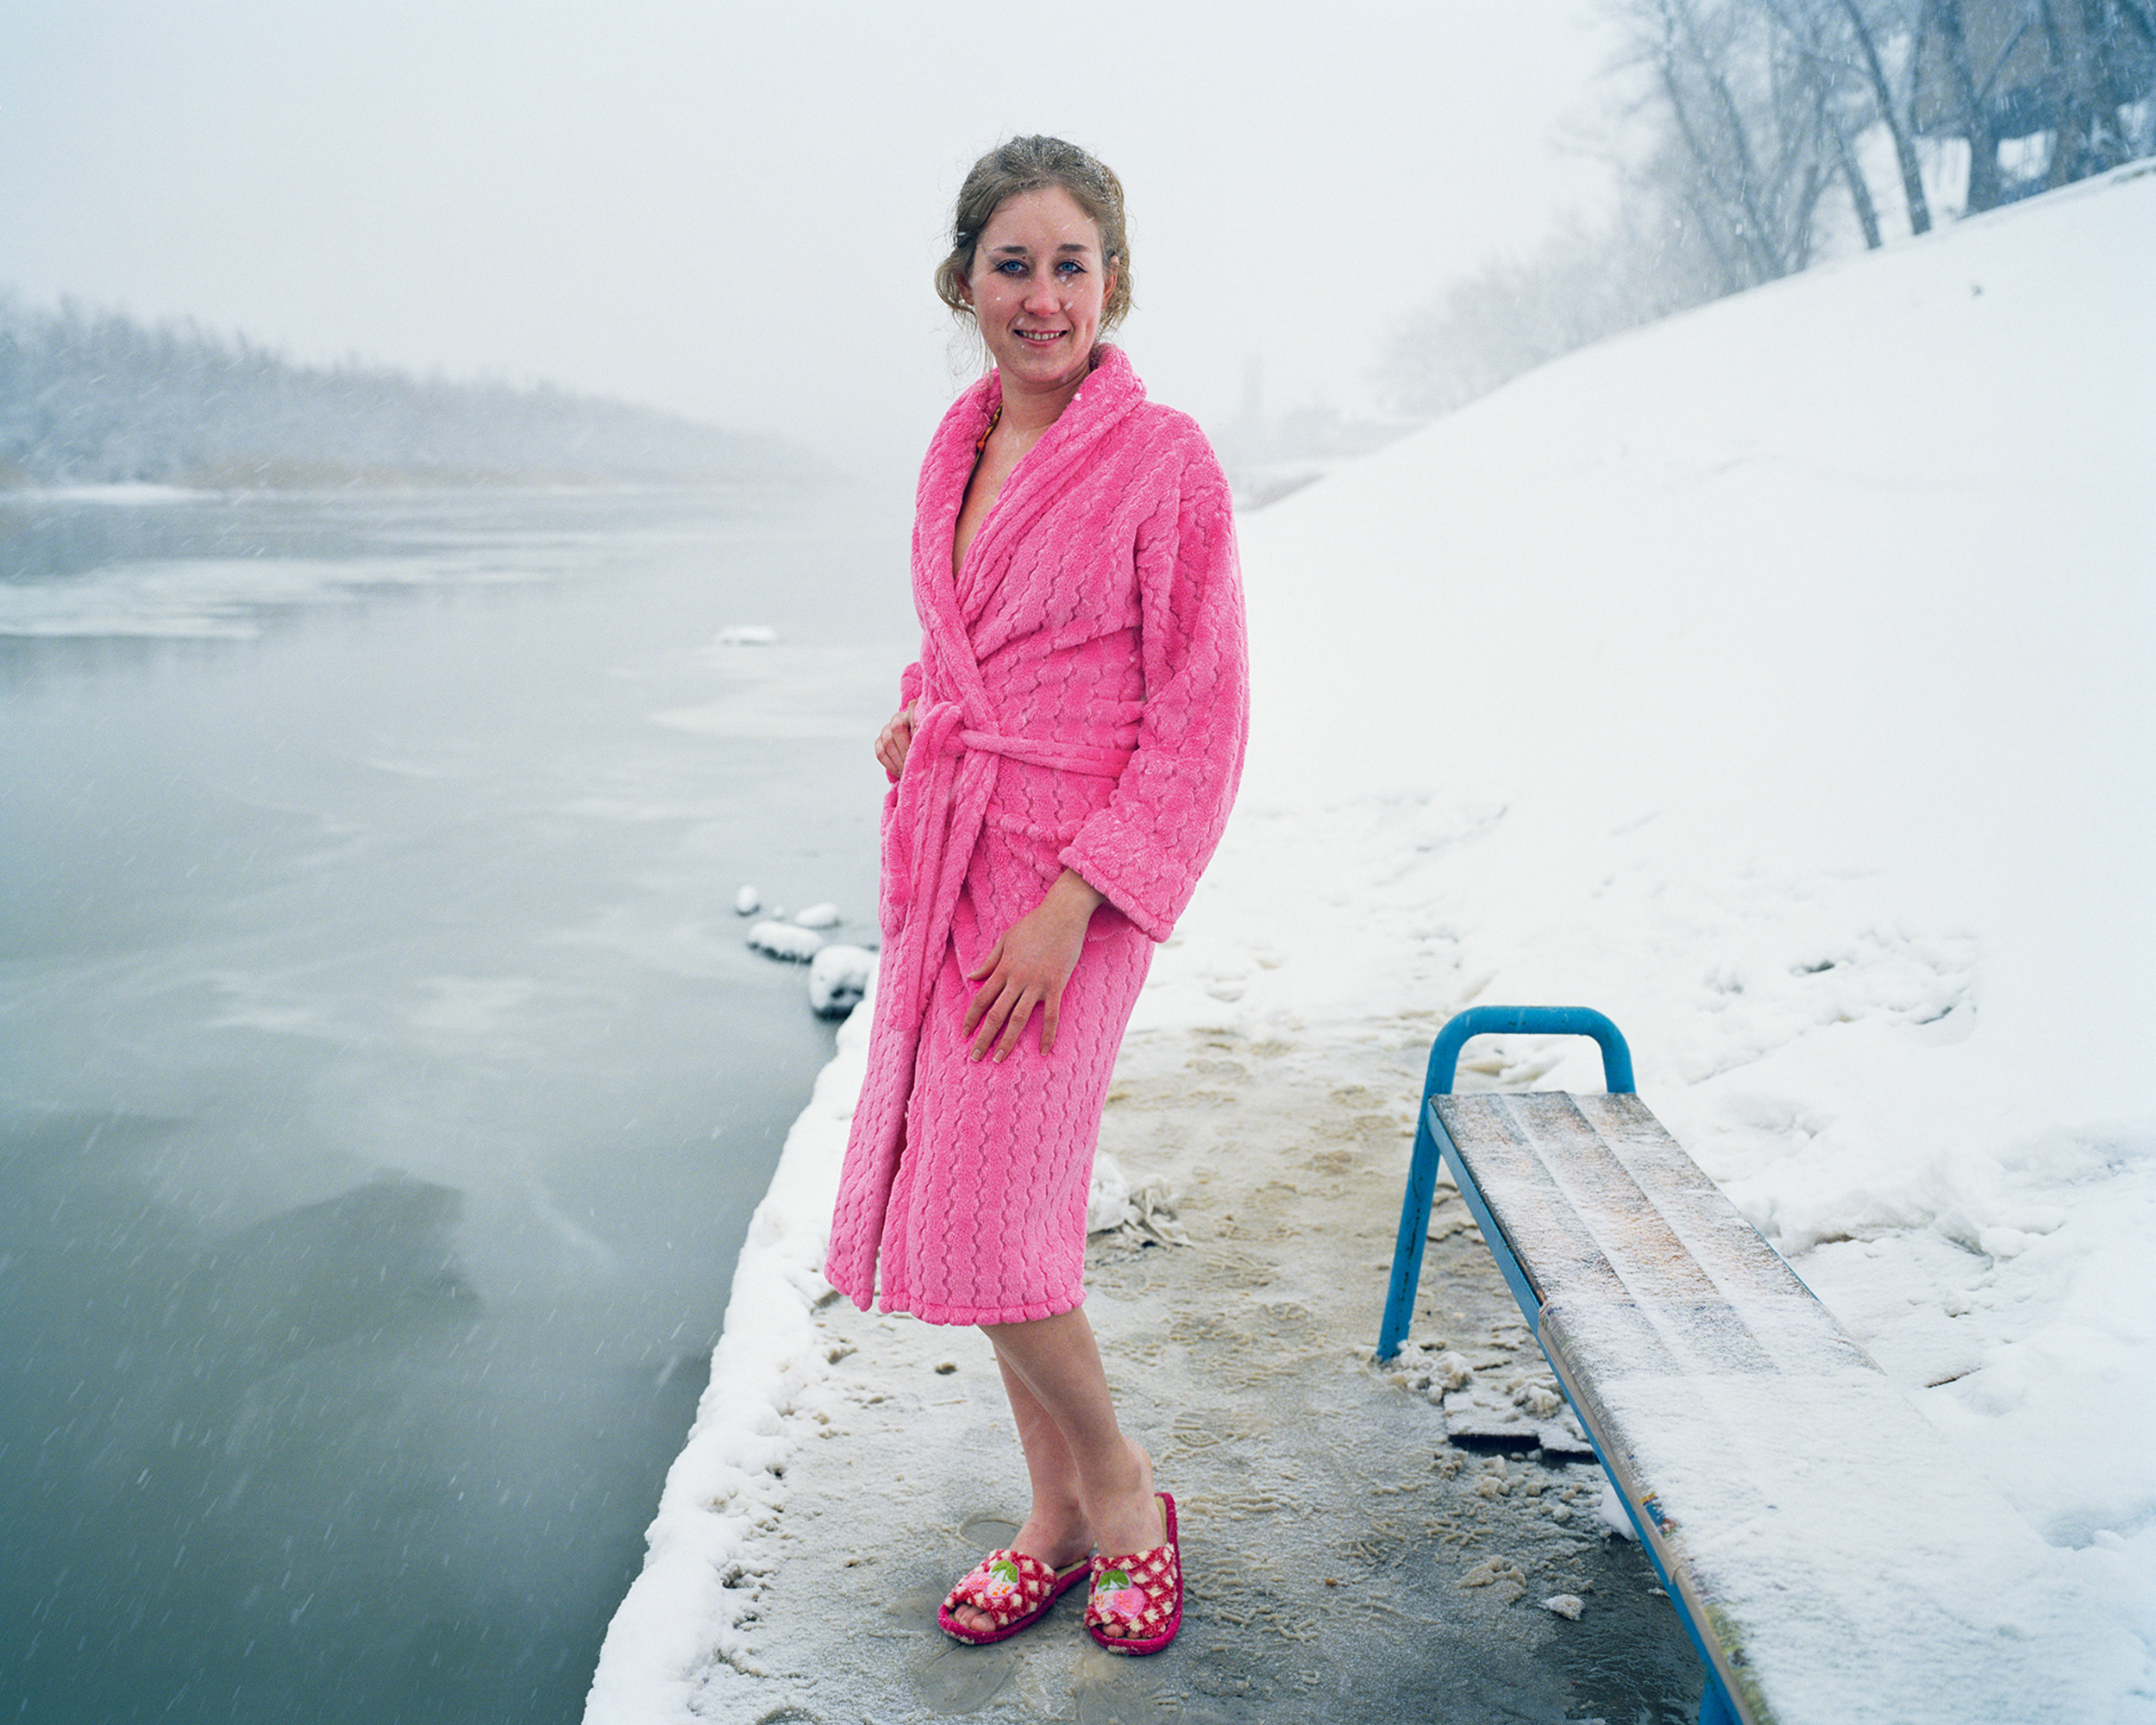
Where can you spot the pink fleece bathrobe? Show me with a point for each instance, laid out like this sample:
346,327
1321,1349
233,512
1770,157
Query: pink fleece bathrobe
1080,702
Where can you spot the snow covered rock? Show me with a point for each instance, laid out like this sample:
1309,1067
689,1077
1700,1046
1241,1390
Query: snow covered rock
838,977
748,902
818,916
783,940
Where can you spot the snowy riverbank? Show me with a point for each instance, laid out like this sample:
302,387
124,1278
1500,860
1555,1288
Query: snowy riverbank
1776,680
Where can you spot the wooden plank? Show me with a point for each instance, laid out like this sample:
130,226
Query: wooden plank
1727,1248
1548,1236
1600,1203
1582,1227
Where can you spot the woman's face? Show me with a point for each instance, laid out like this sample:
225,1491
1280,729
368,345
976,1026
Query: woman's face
1037,286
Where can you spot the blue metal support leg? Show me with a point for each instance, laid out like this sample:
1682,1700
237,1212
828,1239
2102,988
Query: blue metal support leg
1422,1171
1713,1703
1414,1235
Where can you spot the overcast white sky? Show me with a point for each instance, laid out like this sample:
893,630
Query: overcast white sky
732,210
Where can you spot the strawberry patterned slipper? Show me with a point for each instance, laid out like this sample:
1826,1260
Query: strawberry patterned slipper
1014,1588
1142,1594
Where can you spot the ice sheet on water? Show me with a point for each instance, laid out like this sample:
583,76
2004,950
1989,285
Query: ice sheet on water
127,493
228,597
788,690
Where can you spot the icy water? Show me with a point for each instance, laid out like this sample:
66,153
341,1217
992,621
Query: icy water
384,1086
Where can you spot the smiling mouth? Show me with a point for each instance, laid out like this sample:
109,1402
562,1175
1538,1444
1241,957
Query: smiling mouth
1042,337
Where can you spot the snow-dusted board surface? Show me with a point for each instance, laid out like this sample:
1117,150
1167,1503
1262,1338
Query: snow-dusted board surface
1846,1565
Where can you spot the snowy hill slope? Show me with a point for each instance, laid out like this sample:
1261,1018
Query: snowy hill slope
1778,680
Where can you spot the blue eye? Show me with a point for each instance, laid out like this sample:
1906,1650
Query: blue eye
1010,267
1071,266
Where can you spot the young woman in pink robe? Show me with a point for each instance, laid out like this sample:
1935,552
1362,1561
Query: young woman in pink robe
1063,765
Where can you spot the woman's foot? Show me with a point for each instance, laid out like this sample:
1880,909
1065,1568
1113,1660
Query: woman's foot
1058,1541
1132,1521
1006,1592
1136,1604
1060,1534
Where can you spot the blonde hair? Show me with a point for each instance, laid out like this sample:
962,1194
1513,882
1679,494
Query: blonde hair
1022,165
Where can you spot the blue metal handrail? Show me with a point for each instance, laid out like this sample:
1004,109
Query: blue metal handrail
1445,1052
1422,1174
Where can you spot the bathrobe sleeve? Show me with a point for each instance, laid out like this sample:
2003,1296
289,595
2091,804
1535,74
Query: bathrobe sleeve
1144,849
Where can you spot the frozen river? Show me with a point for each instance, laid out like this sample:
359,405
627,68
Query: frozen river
383,1084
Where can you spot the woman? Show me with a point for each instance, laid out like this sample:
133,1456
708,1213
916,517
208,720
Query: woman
1063,762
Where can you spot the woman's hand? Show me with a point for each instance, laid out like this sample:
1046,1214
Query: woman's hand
893,740
1029,967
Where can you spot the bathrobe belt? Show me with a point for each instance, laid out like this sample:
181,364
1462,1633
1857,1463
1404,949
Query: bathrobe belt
942,804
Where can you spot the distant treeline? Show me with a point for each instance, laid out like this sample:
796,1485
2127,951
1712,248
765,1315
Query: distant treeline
94,397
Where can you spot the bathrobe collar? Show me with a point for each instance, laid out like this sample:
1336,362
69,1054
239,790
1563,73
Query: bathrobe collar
1109,393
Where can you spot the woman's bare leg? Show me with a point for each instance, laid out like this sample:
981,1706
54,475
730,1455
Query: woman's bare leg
1056,1531
1091,1484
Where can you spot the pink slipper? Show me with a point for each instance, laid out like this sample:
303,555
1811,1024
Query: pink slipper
1141,1594
1014,1588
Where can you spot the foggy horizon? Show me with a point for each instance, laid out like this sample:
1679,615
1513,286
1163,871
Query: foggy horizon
733,217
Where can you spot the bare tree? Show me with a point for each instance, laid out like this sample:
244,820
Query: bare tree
1750,113
1971,103
1752,110
1819,32
2102,59
1768,98
1900,122
2080,74
1584,284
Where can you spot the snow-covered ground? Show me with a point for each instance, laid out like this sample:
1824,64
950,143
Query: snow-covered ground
1777,681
